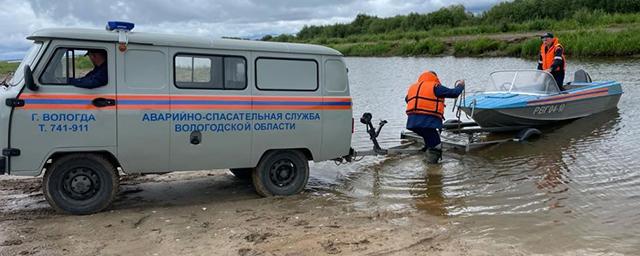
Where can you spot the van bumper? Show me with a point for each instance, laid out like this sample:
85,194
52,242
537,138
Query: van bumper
3,165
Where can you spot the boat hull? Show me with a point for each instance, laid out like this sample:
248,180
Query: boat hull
541,114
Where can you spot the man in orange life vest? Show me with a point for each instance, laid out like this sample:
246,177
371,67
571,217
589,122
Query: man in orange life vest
425,110
552,58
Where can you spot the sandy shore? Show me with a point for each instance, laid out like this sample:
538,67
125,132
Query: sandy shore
214,213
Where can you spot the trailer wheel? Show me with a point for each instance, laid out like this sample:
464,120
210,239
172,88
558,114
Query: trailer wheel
527,134
242,173
80,184
281,173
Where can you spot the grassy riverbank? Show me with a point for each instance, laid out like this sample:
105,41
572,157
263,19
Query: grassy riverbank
7,67
585,28
83,65
580,43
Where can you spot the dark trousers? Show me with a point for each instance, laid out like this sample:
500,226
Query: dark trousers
559,77
431,136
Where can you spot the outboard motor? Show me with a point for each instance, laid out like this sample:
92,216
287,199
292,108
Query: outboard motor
581,76
433,155
373,134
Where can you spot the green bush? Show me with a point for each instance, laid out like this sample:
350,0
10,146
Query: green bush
601,43
530,48
364,50
513,49
83,63
429,47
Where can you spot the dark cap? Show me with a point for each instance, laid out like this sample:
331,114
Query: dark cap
90,51
546,35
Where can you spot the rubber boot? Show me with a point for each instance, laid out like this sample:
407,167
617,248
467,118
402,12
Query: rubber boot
434,155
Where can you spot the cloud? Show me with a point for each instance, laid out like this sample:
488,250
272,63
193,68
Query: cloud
212,18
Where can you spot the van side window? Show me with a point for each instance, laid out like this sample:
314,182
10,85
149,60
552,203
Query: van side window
85,68
210,72
286,74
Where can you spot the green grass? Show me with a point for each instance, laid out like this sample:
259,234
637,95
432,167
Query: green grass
6,68
600,43
477,47
366,49
581,43
425,47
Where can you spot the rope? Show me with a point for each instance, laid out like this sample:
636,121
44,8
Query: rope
456,107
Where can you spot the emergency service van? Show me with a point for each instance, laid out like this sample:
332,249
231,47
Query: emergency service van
170,103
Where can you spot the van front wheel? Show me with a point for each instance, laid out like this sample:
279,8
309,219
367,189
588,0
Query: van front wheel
80,184
281,173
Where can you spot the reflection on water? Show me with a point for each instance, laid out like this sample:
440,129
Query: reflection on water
428,192
574,189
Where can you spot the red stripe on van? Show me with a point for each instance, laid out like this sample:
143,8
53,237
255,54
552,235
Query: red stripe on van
185,106
65,96
67,106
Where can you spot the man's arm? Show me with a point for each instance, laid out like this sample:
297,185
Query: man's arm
539,61
557,60
91,80
85,82
444,92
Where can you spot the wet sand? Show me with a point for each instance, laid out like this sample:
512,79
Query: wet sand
214,213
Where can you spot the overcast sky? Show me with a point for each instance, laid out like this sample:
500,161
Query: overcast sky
211,18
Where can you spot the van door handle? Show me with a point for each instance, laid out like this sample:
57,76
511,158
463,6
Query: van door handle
103,102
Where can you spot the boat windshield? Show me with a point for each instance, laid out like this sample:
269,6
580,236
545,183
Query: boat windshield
524,81
27,60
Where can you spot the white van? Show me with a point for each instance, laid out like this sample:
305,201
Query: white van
170,103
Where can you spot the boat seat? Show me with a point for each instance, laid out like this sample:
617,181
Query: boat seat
579,77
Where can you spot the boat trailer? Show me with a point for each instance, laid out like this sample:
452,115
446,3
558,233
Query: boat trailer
412,143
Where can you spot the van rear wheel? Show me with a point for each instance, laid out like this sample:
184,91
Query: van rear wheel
281,173
80,184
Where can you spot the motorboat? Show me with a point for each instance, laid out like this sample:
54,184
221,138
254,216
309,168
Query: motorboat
531,98
520,101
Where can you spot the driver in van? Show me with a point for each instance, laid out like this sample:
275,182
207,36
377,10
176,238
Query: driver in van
96,77
425,110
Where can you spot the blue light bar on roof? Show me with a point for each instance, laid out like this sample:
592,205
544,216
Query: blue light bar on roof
120,25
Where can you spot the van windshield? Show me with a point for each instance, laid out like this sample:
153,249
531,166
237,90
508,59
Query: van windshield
27,60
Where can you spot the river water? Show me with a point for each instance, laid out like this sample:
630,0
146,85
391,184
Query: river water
575,189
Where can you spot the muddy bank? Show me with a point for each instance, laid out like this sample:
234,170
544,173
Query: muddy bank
213,213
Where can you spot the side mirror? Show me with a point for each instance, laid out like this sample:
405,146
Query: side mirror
28,79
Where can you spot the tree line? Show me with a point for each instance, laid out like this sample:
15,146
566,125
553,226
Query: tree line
504,13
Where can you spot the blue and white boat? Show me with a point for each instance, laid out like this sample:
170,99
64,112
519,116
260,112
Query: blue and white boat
531,98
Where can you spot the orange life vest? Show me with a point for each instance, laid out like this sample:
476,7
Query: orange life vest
549,55
421,97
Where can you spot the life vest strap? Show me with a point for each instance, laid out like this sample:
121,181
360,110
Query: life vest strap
424,111
425,98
